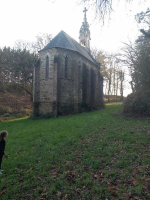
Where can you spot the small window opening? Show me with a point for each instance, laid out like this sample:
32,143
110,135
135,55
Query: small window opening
47,67
66,67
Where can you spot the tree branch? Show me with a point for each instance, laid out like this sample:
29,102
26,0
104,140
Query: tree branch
145,33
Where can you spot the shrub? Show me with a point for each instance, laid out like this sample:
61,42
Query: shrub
7,113
137,104
14,88
5,109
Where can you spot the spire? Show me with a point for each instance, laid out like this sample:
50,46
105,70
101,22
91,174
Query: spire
84,34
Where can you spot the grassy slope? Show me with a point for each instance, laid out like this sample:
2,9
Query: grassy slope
85,156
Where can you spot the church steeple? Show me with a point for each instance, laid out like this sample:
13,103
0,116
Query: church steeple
84,33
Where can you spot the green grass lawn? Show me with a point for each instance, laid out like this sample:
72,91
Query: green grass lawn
90,156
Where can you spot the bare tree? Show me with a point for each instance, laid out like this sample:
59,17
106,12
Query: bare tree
101,8
42,39
112,71
22,44
137,58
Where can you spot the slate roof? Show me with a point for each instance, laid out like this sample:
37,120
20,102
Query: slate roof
63,40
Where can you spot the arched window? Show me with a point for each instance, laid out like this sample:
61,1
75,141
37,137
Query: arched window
47,67
66,67
79,63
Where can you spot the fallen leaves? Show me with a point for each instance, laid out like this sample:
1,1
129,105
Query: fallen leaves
147,186
86,168
135,172
2,192
111,188
135,181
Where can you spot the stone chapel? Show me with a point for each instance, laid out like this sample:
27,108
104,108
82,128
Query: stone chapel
67,78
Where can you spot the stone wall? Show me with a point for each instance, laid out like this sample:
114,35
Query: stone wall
43,87
74,83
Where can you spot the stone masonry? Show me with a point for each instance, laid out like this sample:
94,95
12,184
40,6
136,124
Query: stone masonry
67,79
60,95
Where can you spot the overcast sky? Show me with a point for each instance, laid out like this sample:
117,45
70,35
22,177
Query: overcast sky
24,19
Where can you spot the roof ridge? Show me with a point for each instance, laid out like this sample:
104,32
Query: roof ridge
69,36
65,41
77,43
